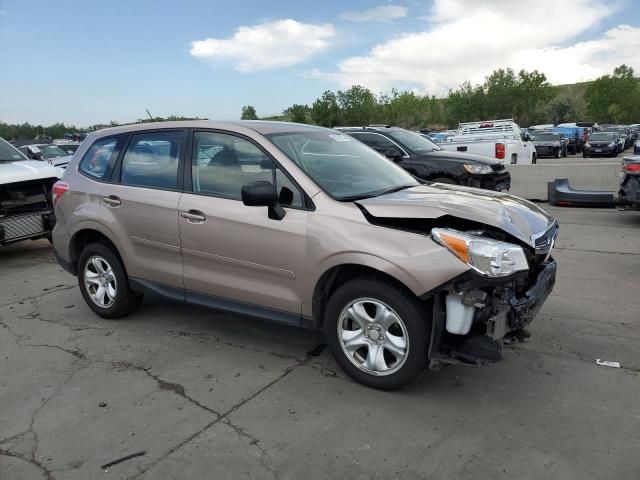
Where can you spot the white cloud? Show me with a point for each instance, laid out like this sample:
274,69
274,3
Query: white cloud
280,43
467,39
383,13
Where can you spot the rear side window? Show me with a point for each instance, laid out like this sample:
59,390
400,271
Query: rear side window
97,162
379,143
152,159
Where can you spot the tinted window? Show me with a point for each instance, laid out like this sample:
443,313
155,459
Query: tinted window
98,159
152,159
223,163
378,142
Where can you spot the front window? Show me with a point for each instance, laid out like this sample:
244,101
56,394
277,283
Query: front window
547,137
343,167
602,137
414,142
8,153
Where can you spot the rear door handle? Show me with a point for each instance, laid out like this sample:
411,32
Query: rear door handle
194,216
112,201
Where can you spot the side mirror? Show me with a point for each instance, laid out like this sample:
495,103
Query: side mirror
393,153
263,194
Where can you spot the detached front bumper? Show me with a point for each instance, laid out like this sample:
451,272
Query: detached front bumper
502,308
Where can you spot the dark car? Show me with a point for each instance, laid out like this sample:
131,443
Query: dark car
549,144
629,193
601,144
636,148
427,161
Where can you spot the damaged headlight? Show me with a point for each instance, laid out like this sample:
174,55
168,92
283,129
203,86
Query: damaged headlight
478,169
488,257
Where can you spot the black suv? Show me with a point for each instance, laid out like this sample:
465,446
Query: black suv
427,161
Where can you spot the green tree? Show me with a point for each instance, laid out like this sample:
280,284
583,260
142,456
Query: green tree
357,105
325,111
560,109
248,113
614,98
297,113
532,92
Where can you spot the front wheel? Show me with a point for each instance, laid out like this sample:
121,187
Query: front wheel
377,332
104,283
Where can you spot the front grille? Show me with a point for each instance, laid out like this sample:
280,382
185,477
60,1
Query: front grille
543,241
21,226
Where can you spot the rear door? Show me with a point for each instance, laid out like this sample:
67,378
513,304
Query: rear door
236,257
140,207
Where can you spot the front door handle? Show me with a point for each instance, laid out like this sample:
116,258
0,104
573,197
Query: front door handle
112,201
194,216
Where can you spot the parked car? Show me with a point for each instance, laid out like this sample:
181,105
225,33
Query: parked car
628,196
601,144
428,161
501,139
69,147
636,148
624,138
48,152
307,227
550,144
26,210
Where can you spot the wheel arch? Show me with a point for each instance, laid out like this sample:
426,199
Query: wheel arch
338,275
85,236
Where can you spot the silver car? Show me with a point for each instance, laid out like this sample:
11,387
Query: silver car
309,227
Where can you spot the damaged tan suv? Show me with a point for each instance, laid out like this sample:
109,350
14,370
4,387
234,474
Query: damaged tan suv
309,227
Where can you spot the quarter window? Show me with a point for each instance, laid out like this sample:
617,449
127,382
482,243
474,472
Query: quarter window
222,164
152,159
97,162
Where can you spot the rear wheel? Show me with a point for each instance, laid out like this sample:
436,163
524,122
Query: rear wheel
377,332
104,284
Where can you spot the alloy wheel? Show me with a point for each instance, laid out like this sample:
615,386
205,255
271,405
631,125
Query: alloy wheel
100,281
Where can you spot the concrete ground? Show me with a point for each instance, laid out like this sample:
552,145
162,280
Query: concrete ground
208,395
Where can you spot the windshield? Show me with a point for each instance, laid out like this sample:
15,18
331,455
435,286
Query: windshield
413,141
601,136
8,153
343,167
51,151
546,137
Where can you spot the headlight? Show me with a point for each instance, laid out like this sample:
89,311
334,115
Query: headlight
488,257
588,145
477,168
611,144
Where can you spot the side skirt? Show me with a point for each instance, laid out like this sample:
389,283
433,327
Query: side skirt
222,304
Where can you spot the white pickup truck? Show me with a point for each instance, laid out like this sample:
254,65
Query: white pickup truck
26,210
501,139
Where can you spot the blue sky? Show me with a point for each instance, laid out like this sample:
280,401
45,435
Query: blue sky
85,62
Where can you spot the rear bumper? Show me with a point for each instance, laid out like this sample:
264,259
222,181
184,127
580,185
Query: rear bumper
26,226
493,181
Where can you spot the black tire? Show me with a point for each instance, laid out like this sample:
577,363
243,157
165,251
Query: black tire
126,301
556,153
564,153
447,180
413,314
534,159
584,155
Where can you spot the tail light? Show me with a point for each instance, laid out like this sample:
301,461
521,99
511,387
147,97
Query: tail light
631,167
500,151
58,190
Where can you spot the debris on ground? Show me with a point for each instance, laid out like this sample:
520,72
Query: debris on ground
123,459
607,363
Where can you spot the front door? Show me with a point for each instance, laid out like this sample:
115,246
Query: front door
234,256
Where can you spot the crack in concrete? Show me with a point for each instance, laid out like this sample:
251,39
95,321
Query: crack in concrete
222,417
45,472
26,299
253,442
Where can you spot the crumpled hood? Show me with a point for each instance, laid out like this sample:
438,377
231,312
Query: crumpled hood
463,157
23,170
514,215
